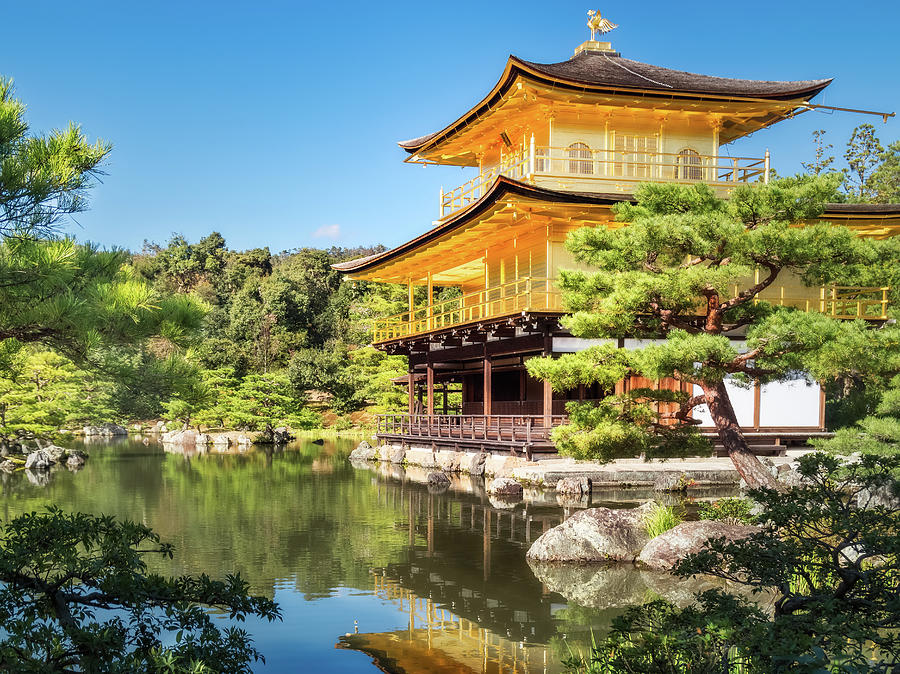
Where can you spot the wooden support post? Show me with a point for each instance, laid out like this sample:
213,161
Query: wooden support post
548,389
488,376
412,391
430,300
429,383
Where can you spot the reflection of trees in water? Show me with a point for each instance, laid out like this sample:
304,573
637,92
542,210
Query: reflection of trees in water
305,517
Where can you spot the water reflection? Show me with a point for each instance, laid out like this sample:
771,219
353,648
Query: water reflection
438,640
328,540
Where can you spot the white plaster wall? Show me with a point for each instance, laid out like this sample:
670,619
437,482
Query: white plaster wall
575,344
790,403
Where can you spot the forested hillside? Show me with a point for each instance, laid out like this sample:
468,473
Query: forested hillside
283,341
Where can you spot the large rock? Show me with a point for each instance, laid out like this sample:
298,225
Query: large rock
8,466
594,535
669,548
363,452
438,479
55,454
38,460
75,461
104,430
473,463
574,486
505,487
397,454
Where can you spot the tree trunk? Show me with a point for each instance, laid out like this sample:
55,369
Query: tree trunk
747,463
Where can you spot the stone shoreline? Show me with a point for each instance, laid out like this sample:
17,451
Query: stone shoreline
671,475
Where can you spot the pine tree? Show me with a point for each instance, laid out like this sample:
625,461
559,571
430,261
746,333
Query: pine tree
671,272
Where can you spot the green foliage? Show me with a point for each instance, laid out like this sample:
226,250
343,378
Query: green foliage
76,595
829,554
42,178
863,153
877,434
660,519
731,510
672,272
821,161
44,392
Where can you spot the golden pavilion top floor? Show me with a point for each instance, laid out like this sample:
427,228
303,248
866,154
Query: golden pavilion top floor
602,123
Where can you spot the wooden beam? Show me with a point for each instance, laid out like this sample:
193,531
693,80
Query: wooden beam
412,391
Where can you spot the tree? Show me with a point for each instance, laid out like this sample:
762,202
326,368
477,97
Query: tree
829,554
263,400
863,154
77,596
42,178
885,180
682,269
46,391
820,162
877,434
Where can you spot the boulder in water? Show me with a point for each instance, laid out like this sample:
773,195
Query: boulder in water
505,487
594,535
574,486
38,460
670,547
438,479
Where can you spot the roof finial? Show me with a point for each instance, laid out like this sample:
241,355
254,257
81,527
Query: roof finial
598,24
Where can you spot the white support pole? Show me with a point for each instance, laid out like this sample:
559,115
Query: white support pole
766,174
531,159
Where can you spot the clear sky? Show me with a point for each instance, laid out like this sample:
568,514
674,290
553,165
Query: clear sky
276,123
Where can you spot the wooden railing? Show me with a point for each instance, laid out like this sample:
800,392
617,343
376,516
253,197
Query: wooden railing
513,428
541,294
524,294
579,165
846,302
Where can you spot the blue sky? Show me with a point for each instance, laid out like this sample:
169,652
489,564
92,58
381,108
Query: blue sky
275,123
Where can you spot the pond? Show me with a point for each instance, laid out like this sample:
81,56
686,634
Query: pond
367,564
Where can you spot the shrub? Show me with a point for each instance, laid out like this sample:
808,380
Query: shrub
729,510
660,519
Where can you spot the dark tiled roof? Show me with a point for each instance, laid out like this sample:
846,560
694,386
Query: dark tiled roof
598,68
610,72
863,209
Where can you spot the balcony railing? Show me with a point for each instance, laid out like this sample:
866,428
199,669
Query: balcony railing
513,428
524,294
579,168
541,294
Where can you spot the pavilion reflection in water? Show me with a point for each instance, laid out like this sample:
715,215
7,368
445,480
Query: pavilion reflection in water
437,640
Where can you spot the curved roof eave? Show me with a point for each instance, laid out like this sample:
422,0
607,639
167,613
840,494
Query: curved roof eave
501,188
542,72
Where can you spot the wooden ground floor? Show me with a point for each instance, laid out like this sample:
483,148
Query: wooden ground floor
469,389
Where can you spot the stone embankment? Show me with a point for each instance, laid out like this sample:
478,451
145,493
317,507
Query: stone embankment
573,478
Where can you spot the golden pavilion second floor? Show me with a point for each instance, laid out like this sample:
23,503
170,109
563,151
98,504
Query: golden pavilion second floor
602,123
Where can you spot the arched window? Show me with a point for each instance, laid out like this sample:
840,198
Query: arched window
689,165
580,158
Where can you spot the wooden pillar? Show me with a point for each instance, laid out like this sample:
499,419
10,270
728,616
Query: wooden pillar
488,376
430,282
548,389
429,383
412,391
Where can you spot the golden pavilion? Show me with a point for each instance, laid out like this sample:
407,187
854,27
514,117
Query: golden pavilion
552,147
